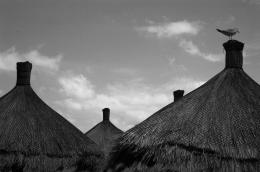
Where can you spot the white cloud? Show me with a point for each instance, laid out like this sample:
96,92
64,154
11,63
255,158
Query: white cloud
76,86
44,61
174,29
71,103
130,102
133,99
10,57
183,83
137,99
171,29
192,49
189,47
213,57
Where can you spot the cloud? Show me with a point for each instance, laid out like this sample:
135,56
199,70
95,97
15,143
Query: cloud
183,83
71,103
10,57
189,47
76,86
192,49
172,29
132,98
131,101
213,57
44,61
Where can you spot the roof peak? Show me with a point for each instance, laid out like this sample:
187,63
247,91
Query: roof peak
234,53
23,73
233,45
106,114
177,94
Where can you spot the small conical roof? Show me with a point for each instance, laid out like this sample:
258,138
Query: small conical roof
104,133
216,126
33,137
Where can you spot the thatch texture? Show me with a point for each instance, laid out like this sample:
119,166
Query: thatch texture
104,133
213,128
33,137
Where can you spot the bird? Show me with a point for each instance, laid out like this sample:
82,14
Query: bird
229,32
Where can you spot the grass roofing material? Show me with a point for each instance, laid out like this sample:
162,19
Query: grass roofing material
215,127
34,137
105,133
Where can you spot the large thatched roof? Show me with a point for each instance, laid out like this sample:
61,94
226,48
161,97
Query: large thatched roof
33,137
104,133
213,128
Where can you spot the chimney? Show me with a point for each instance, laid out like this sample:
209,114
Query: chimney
23,73
106,114
178,94
234,53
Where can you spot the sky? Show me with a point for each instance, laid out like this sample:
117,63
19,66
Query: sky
127,55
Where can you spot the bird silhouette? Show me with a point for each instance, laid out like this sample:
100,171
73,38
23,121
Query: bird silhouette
229,32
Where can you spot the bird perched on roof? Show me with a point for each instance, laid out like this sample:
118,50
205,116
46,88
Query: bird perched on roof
229,32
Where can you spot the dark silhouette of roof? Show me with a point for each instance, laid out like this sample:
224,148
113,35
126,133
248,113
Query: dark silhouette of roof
213,128
33,137
104,133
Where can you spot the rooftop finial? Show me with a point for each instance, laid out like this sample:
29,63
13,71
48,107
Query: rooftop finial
234,54
106,114
178,94
23,73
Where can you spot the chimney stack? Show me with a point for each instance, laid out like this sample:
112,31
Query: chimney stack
234,53
178,94
106,114
23,73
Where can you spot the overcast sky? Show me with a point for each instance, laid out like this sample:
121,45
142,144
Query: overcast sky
128,55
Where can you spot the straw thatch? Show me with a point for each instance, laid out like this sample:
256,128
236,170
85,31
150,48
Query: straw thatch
104,133
33,137
213,128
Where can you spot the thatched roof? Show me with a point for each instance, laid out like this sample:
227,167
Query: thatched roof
33,137
213,128
104,133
